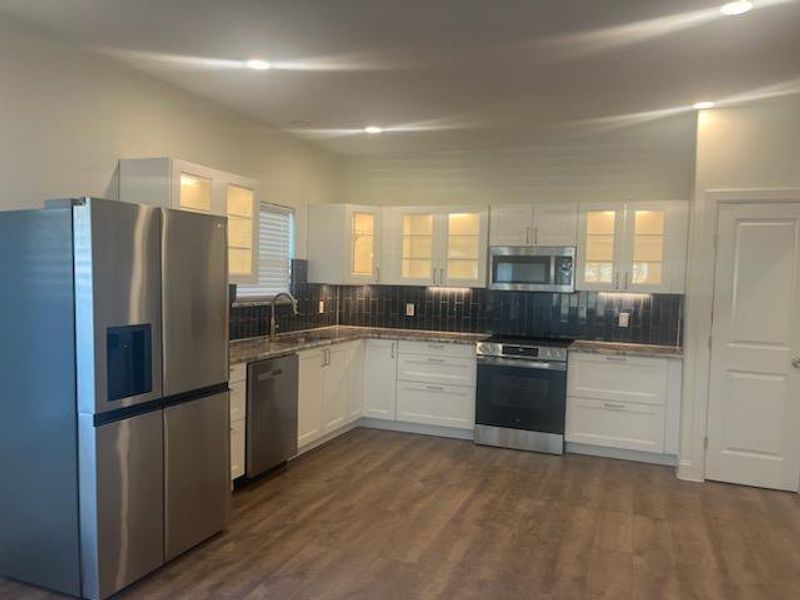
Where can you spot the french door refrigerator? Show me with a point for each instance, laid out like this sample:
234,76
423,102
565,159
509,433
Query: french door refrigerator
114,441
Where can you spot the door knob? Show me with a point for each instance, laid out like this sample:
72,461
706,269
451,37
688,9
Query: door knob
796,362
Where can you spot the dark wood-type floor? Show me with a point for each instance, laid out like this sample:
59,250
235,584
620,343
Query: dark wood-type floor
381,515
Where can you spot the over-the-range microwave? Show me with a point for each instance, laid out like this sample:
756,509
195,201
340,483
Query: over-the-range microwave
532,268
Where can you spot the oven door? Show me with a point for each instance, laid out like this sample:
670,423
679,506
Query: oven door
521,394
536,269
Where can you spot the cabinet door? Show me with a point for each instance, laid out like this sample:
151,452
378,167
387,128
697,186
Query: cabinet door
615,424
237,449
655,247
600,246
197,188
464,248
409,248
363,235
445,405
355,382
334,399
311,390
555,224
380,379
511,225
242,212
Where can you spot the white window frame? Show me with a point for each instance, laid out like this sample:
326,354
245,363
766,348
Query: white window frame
256,292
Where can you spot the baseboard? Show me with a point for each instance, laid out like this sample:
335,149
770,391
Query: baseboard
687,472
402,426
618,453
326,438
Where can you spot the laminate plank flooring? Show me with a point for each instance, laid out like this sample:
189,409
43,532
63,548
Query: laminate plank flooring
385,515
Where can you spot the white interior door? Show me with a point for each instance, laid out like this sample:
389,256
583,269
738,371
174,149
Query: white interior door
754,398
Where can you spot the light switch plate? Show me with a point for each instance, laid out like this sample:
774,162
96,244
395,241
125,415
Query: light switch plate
410,309
321,306
624,318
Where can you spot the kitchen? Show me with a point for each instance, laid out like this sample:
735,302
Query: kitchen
545,362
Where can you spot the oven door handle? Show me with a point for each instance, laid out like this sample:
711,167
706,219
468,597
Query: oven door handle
522,364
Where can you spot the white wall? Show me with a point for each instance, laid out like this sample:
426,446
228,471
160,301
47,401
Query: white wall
754,148
67,116
653,160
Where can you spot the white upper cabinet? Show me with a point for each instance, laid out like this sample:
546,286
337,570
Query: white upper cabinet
435,246
344,244
555,224
550,224
632,246
172,183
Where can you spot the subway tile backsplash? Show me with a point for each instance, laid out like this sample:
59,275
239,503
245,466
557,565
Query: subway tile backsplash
654,319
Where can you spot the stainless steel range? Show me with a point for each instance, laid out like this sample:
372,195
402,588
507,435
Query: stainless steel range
521,394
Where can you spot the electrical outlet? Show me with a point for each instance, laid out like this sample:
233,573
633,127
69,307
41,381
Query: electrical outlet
410,309
624,318
321,306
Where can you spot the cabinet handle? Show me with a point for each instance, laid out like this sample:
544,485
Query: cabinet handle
616,280
617,358
612,406
626,280
436,346
535,235
435,388
393,349
528,234
377,273
436,360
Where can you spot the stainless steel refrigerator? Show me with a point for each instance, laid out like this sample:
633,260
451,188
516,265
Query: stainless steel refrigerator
114,439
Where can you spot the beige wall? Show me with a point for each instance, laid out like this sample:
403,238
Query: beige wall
753,149
67,116
652,161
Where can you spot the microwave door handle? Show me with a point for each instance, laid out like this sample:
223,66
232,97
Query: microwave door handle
552,270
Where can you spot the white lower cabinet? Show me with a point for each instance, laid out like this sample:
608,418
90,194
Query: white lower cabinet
380,379
436,384
329,390
237,449
238,414
444,405
616,424
310,391
623,402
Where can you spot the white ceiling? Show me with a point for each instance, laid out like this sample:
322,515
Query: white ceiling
442,73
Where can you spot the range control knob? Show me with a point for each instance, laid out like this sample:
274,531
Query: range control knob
488,349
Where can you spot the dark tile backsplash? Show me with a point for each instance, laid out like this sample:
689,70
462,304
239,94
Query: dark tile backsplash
654,319
251,320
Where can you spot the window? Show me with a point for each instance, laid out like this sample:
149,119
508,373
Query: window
275,251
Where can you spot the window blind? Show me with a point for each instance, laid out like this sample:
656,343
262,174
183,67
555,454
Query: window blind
275,250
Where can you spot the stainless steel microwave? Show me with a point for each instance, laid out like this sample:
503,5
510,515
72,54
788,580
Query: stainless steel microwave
532,268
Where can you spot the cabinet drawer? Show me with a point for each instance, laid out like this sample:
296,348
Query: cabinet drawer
615,424
436,349
237,449
618,378
238,400
449,406
238,372
436,369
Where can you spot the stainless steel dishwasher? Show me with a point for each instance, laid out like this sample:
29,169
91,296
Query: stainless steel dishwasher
271,413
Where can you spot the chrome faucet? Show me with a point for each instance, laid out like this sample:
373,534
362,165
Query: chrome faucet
273,323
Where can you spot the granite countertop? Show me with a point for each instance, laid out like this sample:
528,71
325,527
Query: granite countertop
624,349
260,348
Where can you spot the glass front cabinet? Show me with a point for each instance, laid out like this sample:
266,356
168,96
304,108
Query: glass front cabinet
435,246
632,246
178,184
344,244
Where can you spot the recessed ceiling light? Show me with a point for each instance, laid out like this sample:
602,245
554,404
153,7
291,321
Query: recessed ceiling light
257,64
373,129
739,7
703,105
